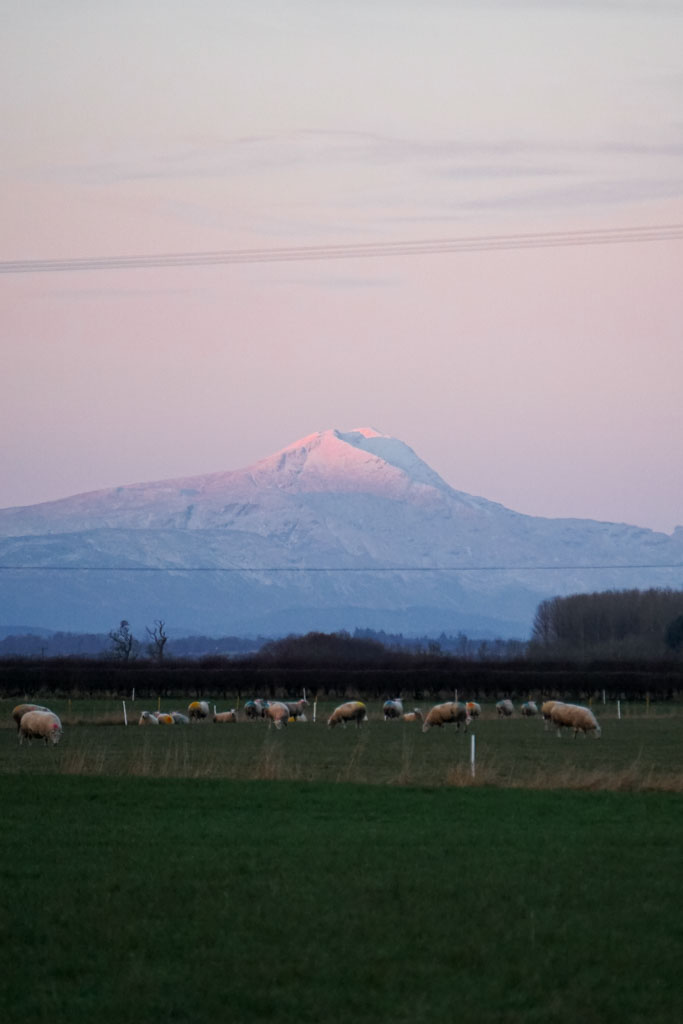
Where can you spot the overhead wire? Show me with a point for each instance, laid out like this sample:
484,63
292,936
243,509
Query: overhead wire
354,250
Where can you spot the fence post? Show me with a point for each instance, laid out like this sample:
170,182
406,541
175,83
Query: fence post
472,754
125,716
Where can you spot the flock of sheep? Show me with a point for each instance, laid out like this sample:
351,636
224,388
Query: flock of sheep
36,722
279,713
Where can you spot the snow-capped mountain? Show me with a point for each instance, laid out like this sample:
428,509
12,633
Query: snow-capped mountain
335,531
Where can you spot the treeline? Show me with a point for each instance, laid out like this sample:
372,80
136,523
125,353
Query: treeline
388,674
616,625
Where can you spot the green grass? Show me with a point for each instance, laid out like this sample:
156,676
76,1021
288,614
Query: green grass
639,752
136,899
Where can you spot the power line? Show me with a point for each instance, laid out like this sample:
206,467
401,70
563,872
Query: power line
321,569
357,250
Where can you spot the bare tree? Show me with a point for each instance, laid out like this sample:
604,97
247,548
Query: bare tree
158,640
124,644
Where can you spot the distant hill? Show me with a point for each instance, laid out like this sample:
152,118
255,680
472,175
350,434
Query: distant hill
340,530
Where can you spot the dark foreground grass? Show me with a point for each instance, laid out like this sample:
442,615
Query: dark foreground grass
143,900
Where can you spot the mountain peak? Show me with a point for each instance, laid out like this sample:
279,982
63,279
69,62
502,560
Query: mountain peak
362,459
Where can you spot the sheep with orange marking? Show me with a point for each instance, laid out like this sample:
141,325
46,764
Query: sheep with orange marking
225,716
44,725
352,711
573,716
504,708
277,714
297,708
22,709
413,716
198,710
444,714
164,718
473,709
393,709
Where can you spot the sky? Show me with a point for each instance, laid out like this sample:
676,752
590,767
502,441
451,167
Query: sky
548,379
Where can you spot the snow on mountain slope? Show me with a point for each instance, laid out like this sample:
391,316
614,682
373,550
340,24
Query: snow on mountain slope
336,530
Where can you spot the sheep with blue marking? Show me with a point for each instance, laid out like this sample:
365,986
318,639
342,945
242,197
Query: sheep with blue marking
393,709
528,709
504,708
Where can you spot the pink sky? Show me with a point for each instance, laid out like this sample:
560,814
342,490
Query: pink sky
547,380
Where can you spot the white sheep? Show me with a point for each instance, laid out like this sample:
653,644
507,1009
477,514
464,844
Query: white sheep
147,718
504,708
443,714
546,709
352,711
225,716
572,716
277,714
393,709
413,716
22,709
528,709
43,725
473,709
297,708
255,708
179,718
198,710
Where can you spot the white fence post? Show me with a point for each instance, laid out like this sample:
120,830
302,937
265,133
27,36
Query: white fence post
472,754
125,716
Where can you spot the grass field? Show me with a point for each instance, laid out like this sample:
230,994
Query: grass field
642,751
203,872
135,899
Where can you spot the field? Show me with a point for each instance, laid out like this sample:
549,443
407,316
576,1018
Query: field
195,873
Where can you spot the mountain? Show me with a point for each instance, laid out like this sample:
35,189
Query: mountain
335,531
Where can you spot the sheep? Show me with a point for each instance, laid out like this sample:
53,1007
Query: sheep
441,714
198,710
546,709
352,711
163,718
21,709
473,709
393,709
297,708
225,716
147,718
528,709
179,718
504,708
43,725
277,714
413,716
572,716
255,708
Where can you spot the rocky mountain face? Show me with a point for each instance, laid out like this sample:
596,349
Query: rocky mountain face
337,530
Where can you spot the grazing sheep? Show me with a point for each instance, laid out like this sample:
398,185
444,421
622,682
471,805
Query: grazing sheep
255,708
198,710
43,725
352,711
473,709
179,718
147,718
442,714
297,708
393,709
277,714
528,709
22,709
225,716
572,716
413,716
163,718
546,709
504,708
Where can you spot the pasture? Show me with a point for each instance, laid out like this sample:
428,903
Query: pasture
192,873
